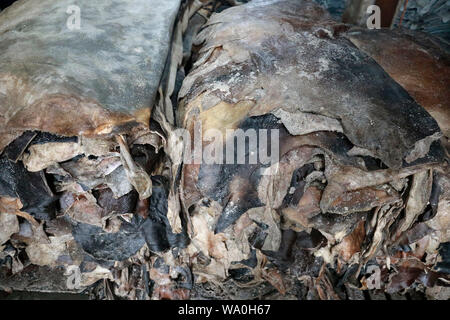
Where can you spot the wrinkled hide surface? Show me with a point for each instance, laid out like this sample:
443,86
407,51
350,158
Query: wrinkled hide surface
99,194
292,62
292,59
357,155
83,187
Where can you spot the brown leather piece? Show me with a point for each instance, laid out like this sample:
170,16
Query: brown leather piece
418,62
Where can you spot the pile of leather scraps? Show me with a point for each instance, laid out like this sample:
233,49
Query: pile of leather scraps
99,193
84,189
358,199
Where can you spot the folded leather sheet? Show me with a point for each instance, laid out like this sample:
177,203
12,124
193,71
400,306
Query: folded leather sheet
341,185
98,80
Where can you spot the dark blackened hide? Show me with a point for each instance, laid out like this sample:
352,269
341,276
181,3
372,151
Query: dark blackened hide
110,246
444,265
5,4
15,149
215,181
30,187
122,205
156,228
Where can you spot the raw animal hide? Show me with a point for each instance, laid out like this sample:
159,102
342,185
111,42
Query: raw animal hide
352,143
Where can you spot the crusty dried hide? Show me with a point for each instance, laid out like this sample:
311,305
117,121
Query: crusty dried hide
78,147
96,183
353,147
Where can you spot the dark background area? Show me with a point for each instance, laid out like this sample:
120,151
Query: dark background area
6,3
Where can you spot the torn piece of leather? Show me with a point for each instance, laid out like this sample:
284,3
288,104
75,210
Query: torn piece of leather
30,187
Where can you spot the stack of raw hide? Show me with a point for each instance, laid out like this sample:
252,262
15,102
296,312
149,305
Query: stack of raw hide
297,153
83,114
362,177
